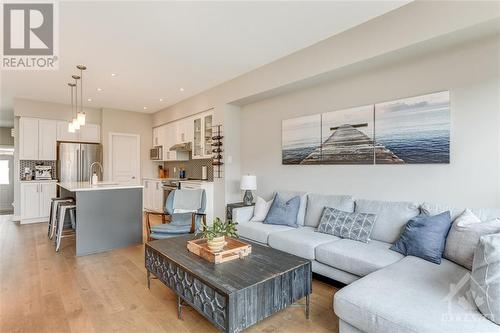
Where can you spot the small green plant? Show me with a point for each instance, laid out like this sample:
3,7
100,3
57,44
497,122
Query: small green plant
218,229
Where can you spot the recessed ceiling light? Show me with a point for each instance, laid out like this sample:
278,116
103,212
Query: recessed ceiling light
145,108
182,89
161,99
89,99
99,89
113,74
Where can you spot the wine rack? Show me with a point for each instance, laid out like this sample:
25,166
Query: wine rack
217,150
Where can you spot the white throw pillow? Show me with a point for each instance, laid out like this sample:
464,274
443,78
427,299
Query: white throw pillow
464,236
485,277
261,209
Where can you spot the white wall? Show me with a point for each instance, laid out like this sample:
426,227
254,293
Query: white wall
413,28
119,121
472,74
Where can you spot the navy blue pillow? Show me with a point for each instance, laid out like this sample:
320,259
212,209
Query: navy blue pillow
283,212
424,237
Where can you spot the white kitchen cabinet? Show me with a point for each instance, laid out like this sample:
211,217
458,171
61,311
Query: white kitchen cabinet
36,198
184,130
153,195
89,133
202,135
28,139
63,134
156,136
30,201
47,137
37,139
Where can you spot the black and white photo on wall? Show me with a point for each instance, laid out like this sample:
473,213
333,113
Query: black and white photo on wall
413,130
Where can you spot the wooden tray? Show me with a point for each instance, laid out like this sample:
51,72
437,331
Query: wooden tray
234,249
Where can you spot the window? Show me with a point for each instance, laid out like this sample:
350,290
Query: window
4,172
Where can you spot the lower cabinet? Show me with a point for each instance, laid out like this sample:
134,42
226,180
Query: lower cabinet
153,195
36,198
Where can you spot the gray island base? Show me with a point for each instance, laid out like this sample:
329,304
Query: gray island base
232,295
107,216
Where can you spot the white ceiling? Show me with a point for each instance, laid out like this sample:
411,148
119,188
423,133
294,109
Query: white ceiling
155,48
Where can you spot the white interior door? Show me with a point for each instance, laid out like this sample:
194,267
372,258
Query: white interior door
6,181
124,158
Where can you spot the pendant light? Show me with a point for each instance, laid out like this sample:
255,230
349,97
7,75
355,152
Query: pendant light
71,128
81,115
76,123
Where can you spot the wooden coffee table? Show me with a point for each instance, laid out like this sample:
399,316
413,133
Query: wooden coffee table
232,295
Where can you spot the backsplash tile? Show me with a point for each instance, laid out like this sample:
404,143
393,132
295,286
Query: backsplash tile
192,167
31,164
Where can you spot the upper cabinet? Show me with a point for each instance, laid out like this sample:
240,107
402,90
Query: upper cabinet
202,135
196,130
87,133
37,139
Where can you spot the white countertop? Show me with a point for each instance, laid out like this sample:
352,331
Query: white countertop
39,181
86,186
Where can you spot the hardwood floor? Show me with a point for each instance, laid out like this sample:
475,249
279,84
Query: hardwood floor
41,291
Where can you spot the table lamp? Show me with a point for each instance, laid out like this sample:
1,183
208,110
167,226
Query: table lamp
248,184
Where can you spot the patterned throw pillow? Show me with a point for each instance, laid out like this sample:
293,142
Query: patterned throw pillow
355,226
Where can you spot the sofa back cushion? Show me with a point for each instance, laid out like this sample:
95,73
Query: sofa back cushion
287,195
391,217
484,214
316,203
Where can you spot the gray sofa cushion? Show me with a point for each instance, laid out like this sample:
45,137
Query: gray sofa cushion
301,241
287,195
258,231
391,217
464,236
412,295
485,282
355,226
484,214
317,202
355,257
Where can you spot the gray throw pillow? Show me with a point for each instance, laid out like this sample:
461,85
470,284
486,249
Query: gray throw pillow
424,236
355,226
283,212
485,277
464,236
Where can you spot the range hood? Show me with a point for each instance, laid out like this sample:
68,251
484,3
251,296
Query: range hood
181,147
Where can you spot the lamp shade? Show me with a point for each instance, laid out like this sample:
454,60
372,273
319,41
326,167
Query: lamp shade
248,182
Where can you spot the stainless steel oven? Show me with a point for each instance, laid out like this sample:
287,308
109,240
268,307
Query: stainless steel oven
169,186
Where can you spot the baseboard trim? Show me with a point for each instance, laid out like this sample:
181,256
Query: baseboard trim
37,220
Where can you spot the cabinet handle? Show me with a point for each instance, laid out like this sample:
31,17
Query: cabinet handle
157,186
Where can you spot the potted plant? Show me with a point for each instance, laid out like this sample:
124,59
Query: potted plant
217,232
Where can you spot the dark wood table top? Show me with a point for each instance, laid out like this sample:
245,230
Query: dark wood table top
262,264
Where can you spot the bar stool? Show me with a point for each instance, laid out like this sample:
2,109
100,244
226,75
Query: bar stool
53,214
65,208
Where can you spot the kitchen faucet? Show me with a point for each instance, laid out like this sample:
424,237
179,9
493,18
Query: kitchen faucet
91,168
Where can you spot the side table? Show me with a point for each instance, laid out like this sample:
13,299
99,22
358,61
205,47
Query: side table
231,206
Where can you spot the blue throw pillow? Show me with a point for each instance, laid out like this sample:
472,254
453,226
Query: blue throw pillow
424,237
283,212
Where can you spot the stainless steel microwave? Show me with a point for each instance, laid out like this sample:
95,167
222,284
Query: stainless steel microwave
156,153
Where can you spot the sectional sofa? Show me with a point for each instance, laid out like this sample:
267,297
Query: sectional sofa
386,292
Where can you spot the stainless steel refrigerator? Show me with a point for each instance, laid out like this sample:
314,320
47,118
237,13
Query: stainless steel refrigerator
74,160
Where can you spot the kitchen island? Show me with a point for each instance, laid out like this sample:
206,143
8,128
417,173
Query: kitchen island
108,215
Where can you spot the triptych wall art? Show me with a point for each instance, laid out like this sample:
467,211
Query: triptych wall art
414,130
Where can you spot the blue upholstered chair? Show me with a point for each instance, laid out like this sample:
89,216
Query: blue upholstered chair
180,223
